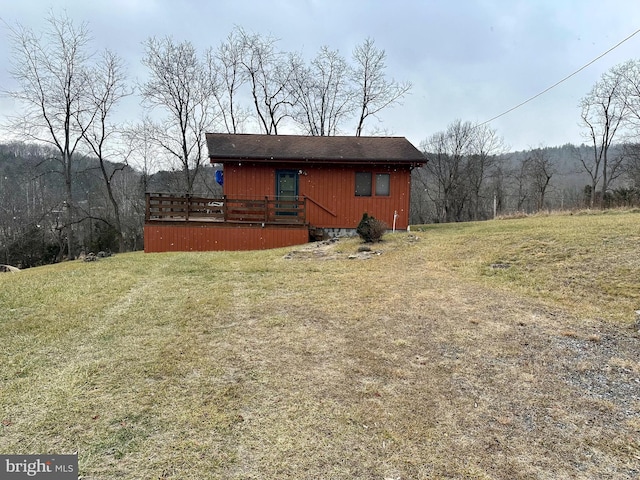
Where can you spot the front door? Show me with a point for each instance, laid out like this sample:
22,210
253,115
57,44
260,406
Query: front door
286,189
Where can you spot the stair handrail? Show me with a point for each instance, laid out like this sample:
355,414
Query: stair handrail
321,206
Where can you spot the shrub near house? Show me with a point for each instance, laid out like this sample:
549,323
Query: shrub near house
371,229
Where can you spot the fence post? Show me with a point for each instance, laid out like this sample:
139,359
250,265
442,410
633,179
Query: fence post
266,208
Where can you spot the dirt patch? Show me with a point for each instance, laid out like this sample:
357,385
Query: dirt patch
337,249
325,250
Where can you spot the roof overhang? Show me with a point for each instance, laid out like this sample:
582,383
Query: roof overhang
297,149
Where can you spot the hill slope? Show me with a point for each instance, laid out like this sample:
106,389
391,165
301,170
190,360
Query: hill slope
495,350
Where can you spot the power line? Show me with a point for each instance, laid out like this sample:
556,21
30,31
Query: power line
563,80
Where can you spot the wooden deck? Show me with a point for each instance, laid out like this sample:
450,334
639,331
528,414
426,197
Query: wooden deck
190,208
179,223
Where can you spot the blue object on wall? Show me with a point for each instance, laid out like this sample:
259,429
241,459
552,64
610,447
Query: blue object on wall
219,177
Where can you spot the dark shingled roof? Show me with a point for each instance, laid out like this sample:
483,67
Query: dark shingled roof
296,148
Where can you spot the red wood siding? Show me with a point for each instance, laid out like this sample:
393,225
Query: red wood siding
249,180
331,190
186,238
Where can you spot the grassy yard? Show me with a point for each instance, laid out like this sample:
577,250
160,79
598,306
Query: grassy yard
495,350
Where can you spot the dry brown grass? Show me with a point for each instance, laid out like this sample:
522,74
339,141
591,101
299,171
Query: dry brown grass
418,362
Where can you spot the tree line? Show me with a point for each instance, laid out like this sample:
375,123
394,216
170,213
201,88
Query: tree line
76,178
67,98
461,182
468,177
33,196
476,186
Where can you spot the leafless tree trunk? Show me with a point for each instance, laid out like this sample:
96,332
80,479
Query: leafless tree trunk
540,169
108,89
519,175
423,203
629,72
484,148
461,162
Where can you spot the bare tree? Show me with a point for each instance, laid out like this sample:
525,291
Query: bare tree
422,208
55,95
519,175
127,189
632,165
629,72
374,91
604,110
181,85
464,171
31,197
540,168
231,77
447,163
320,97
498,187
323,96
143,151
108,88
484,147
269,74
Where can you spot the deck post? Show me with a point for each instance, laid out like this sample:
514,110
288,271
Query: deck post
225,213
187,206
304,210
266,209
147,213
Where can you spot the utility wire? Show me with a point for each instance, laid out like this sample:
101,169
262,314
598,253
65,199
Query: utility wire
563,80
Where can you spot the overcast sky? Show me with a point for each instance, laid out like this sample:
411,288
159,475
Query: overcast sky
468,60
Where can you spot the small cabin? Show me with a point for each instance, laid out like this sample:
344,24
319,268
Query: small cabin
283,190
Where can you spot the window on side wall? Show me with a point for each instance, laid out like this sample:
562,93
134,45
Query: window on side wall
363,184
368,184
382,184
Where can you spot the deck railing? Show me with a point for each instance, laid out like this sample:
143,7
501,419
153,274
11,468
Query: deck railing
168,207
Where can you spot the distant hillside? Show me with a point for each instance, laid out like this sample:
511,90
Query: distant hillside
33,195
544,178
